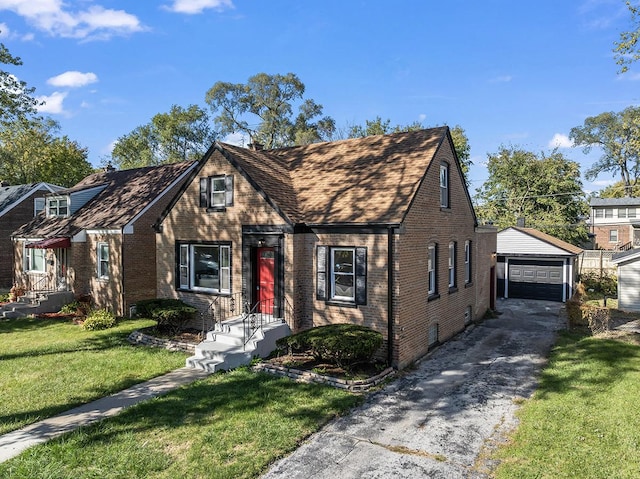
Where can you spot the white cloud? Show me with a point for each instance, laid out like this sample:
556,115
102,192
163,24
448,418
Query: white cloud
422,117
54,17
501,79
73,79
192,7
237,139
52,103
4,30
560,141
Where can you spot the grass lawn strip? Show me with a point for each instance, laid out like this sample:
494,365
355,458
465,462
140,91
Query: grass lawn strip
229,425
50,366
583,420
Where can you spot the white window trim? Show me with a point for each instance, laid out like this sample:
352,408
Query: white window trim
334,275
616,235
100,247
452,264
213,192
444,186
191,273
57,200
431,269
467,262
28,257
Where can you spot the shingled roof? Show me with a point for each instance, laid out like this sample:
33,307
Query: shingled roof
552,240
126,194
369,180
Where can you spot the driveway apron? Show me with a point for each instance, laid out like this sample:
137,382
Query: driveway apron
439,419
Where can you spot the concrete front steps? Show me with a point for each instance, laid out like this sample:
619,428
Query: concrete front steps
36,303
223,350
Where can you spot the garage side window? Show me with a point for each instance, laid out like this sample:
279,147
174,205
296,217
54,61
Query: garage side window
204,267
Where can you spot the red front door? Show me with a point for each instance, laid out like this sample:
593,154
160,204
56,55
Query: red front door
266,265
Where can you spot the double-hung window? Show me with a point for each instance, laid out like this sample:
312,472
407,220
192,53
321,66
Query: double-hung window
58,207
103,260
216,192
341,274
432,269
444,185
613,236
467,262
452,265
34,260
204,267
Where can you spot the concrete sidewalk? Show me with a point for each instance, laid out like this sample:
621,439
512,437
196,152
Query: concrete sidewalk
15,442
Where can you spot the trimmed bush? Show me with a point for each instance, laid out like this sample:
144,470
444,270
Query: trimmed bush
343,344
169,314
605,284
99,319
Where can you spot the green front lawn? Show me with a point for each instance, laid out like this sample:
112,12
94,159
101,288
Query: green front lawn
227,426
50,366
584,420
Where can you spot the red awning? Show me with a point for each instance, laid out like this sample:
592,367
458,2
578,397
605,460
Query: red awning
50,243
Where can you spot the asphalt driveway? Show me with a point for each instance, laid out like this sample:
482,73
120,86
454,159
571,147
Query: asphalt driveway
441,418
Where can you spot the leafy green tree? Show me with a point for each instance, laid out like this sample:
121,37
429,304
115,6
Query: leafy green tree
15,96
32,151
178,135
618,190
379,127
545,190
617,135
263,109
626,51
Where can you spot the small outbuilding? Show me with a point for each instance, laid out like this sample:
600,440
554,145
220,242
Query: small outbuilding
534,265
628,263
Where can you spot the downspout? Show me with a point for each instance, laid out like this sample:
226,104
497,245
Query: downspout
390,289
122,263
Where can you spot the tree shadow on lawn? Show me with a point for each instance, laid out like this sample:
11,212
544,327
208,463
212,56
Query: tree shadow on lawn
208,402
96,341
614,358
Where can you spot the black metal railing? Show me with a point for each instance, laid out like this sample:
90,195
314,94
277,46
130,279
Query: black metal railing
265,312
222,308
43,283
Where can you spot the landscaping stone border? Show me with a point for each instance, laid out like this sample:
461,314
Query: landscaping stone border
136,337
353,385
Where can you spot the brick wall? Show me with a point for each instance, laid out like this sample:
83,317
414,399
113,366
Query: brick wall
11,221
187,221
428,223
601,239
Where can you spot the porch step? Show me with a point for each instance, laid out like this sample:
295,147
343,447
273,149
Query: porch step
30,304
223,349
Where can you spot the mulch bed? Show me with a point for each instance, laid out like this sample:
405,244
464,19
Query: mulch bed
193,336
306,362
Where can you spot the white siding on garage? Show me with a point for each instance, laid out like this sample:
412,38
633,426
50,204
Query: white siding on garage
511,242
629,286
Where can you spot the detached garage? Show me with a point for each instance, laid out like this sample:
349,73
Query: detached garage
534,265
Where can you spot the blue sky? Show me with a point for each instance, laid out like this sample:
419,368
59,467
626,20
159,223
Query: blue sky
509,72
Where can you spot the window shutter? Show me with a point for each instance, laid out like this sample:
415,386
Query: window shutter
361,275
228,190
321,272
204,192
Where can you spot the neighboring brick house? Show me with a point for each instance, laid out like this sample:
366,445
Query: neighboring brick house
19,204
97,238
313,230
615,223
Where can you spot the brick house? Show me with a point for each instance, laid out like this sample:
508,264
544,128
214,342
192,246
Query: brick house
615,223
378,231
97,238
19,204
